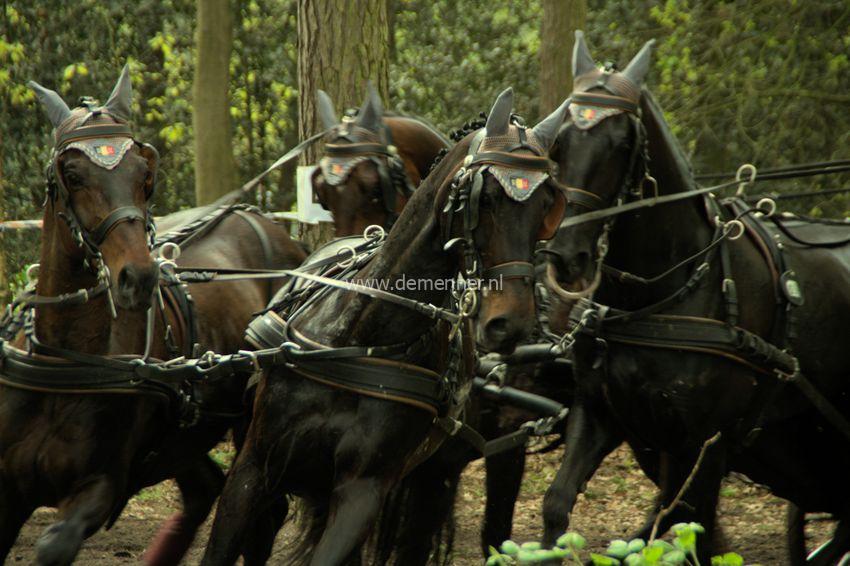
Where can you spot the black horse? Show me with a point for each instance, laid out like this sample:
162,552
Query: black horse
483,208
649,368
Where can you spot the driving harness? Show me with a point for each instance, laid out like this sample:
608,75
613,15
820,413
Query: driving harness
648,327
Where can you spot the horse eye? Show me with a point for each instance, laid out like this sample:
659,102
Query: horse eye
73,180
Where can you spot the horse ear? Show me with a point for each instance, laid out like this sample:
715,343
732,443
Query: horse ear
547,130
639,66
325,108
582,59
372,111
119,101
56,108
500,115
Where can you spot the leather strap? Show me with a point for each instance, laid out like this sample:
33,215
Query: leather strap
605,101
116,217
98,131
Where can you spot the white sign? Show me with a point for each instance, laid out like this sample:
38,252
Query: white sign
309,210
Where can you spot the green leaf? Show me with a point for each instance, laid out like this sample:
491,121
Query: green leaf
618,549
531,546
728,559
510,548
636,545
573,540
601,560
674,558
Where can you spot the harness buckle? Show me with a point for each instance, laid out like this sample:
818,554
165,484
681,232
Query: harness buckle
739,176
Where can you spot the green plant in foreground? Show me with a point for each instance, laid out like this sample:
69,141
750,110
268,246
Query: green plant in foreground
637,552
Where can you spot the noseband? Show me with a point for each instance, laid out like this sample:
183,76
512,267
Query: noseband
382,153
81,137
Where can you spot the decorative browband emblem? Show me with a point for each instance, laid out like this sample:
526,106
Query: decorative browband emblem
518,184
337,169
586,116
103,152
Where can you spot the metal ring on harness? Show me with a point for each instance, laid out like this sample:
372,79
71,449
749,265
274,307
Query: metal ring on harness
729,226
770,204
170,251
739,177
346,263
653,182
375,232
32,273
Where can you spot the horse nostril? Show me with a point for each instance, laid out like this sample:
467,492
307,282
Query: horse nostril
497,329
127,277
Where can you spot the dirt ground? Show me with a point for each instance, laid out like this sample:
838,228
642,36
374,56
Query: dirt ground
614,505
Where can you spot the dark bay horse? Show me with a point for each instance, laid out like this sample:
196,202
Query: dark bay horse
655,388
372,164
87,451
342,451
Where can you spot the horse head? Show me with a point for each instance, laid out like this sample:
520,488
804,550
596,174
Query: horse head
100,180
601,152
500,201
360,180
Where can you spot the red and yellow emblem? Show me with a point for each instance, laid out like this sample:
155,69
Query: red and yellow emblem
106,150
520,183
336,168
588,113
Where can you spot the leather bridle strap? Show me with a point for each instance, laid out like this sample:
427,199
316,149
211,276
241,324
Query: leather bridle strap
516,161
355,149
509,270
116,217
605,101
98,131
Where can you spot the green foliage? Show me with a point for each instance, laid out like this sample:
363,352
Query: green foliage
636,552
765,82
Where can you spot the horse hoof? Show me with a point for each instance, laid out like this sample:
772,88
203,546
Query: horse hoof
58,544
171,542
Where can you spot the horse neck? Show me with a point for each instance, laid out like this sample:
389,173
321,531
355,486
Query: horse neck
417,143
412,251
653,239
84,328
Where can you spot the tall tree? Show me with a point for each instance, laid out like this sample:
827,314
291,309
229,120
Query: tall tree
560,20
342,44
214,164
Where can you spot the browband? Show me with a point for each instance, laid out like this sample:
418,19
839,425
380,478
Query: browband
355,149
97,131
604,101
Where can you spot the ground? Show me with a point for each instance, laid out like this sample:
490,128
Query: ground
614,505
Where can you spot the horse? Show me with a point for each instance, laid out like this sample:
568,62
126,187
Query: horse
341,440
86,446
694,319
372,163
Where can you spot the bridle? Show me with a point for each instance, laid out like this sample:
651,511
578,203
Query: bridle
90,240
464,195
365,145
622,96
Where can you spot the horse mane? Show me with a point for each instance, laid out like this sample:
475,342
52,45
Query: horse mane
668,162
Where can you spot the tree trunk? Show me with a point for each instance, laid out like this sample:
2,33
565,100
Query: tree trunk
341,45
215,171
557,34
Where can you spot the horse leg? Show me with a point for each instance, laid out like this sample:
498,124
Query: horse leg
428,498
589,440
795,522
260,543
199,483
244,497
354,507
504,478
84,513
